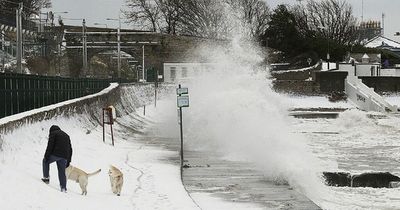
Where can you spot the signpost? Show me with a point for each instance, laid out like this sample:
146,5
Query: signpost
108,118
182,101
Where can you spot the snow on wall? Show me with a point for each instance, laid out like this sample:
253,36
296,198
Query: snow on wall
126,98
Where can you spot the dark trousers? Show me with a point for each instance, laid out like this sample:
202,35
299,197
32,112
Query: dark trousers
61,163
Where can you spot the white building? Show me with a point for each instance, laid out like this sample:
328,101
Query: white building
180,72
362,64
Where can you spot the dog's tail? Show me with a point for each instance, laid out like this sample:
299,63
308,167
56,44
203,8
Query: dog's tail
94,173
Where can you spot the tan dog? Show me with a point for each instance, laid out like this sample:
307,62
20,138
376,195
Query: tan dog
76,174
116,179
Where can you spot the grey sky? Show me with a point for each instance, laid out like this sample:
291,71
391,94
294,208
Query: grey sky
98,10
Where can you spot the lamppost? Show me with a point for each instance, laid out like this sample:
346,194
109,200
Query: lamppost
19,37
328,56
50,15
118,42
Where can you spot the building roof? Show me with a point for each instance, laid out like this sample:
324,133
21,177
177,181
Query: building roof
382,42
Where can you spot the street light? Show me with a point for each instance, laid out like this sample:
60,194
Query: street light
50,15
100,24
118,42
328,56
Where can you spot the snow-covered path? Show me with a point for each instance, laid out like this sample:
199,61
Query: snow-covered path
150,180
150,183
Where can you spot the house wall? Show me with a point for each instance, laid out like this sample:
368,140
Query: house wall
382,84
362,70
180,72
296,87
331,81
367,70
390,72
347,67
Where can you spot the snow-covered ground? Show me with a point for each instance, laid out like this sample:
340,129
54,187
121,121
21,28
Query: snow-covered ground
393,99
354,142
151,178
150,181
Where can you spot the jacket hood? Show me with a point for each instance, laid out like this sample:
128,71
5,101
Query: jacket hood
54,128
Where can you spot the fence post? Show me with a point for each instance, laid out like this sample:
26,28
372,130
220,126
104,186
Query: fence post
14,87
2,96
8,101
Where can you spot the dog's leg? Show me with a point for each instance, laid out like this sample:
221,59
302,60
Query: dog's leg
119,190
83,184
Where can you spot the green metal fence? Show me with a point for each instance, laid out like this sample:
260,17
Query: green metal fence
19,93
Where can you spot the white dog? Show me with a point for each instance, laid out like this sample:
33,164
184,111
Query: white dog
76,174
116,179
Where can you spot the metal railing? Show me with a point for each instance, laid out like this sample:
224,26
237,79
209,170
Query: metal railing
20,92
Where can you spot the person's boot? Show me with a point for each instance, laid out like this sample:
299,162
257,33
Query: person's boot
63,190
46,180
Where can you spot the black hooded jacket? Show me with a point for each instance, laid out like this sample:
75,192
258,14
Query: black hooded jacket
59,144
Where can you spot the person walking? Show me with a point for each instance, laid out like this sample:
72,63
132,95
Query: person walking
58,150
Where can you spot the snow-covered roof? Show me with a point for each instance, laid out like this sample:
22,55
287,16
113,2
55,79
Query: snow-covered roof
380,41
365,56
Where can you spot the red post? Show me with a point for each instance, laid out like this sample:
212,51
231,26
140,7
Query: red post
104,127
109,112
112,135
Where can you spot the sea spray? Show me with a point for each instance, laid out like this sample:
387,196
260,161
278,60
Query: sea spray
234,111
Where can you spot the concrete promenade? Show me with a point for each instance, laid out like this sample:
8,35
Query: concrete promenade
235,182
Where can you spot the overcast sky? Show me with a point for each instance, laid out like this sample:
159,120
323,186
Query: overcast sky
98,10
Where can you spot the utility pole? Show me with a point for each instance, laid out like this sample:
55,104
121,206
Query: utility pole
328,56
119,48
143,69
155,87
118,43
84,47
383,24
3,49
19,37
362,11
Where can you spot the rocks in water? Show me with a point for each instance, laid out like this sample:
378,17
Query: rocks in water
337,179
371,179
375,180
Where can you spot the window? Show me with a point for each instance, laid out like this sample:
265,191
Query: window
173,73
184,72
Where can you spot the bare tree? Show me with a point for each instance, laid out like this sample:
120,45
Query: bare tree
169,15
331,19
30,7
143,12
204,18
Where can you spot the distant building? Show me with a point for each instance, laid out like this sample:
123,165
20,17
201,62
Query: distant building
181,72
362,64
381,42
368,30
